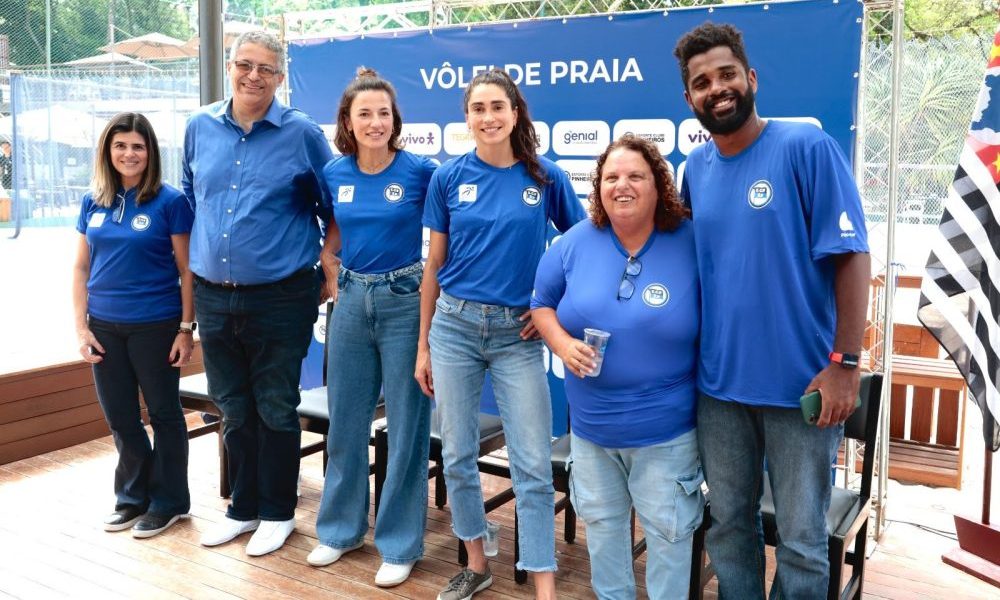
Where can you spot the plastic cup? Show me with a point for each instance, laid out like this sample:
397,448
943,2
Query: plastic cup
598,340
491,543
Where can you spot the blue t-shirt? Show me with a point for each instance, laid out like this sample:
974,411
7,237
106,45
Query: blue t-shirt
496,221
133,273
257,196
379,215
766,223
645,393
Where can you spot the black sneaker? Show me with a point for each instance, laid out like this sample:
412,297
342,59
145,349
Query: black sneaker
465,584
123,518
152,524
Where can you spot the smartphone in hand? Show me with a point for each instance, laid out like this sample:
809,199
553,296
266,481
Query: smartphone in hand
812,406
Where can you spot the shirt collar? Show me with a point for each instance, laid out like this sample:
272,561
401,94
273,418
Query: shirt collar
224,112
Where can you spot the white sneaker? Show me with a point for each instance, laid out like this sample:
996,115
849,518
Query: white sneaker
270,536
227,529
322,555
389,575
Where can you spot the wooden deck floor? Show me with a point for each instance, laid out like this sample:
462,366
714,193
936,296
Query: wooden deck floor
52,546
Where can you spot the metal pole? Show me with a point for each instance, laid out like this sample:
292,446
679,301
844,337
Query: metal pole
890,279
210,50
48,37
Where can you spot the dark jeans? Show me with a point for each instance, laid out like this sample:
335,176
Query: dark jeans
137,356
254,340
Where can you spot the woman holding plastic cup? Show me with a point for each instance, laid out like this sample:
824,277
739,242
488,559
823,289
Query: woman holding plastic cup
488,212
629,272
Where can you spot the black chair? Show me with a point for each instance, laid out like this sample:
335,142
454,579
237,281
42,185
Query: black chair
314,417
847,518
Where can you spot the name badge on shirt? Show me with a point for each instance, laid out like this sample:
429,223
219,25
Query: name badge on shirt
96,220
467,192
345,193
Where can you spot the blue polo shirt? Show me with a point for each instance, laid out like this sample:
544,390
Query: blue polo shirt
645,393
256,195
133,273
767,222
496,220
379,215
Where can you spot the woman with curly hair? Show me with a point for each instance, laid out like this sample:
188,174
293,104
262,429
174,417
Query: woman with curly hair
630,270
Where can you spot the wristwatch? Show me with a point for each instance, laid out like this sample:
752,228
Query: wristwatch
187,327
847,361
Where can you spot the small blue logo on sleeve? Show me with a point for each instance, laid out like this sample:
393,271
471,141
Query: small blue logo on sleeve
760,194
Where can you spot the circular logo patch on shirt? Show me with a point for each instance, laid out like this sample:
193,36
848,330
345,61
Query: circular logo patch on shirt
531,196
656,295
140,222
760,193
393,192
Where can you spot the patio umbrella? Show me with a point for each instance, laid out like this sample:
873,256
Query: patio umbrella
63,125
152,46
108,58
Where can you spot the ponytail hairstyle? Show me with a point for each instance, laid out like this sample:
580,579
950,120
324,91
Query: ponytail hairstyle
523,139
106,180
367,80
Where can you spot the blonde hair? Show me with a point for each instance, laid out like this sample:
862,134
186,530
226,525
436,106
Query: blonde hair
106,179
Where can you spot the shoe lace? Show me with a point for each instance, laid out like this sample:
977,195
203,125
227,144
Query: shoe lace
460,581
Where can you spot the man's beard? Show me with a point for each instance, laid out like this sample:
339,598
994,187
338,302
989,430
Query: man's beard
732,121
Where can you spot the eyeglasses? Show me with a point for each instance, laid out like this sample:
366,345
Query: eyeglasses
627,286
245,67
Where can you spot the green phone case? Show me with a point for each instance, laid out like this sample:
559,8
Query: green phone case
812,406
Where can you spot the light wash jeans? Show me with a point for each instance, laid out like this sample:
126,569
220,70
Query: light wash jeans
734,440
372,345
466,339
663,483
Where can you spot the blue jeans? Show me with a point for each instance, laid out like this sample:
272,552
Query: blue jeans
466,339
734,440
254,340
663,483
373,344
137,355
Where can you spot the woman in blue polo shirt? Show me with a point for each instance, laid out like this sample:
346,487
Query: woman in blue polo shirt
488,212
134,309
378,191
631,271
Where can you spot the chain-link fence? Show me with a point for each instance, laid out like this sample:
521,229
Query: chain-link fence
83,60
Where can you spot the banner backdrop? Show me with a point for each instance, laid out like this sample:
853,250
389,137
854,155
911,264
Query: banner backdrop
588,80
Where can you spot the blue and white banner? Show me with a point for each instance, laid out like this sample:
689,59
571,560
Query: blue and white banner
588,80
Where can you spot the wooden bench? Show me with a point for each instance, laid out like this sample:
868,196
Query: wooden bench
929,451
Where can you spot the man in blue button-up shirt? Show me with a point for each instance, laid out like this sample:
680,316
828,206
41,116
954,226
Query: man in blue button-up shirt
253,173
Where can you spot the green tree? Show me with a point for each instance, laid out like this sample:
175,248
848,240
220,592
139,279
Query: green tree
80,27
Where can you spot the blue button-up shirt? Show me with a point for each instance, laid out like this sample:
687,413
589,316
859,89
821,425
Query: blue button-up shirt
256,195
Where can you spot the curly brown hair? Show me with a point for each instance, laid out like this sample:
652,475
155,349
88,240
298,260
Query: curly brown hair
669,209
